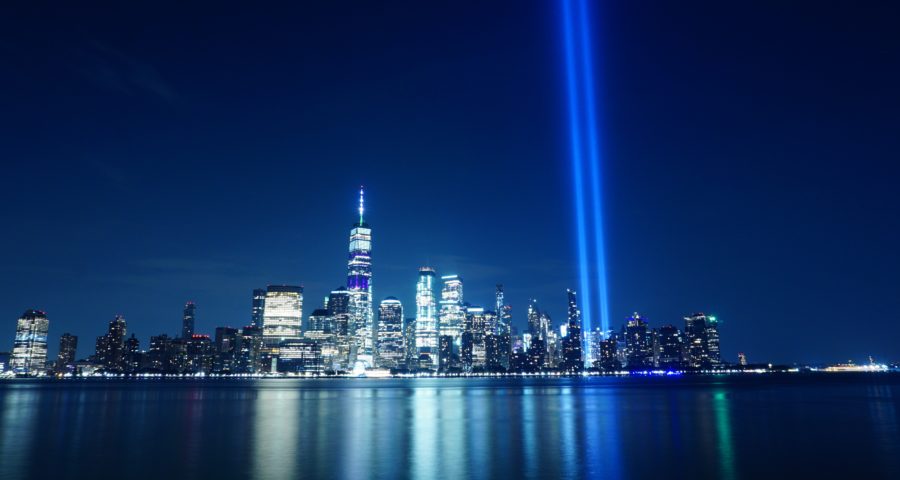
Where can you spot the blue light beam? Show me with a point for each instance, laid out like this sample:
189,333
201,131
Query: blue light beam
593,148
585,156
577,165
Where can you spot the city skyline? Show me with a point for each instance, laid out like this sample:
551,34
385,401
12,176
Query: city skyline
144,171
342,334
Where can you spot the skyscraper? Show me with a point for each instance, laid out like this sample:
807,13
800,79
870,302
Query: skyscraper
110,348
701,336
257,307
712,340
426,316
187,322
639,343
65,360
452,316
573,360
339,306
283,313
359,284
409,344
390,333
504,312
319,325
669,347
478,324
29,354
445,353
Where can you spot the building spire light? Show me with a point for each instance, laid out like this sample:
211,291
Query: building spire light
360,204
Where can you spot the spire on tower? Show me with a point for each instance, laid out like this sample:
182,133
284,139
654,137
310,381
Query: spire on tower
360,204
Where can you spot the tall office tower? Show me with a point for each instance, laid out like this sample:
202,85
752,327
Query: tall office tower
29,354
534,319
504,312
359,284
409,344
283,313
452,315
200,354
134,358
669,347
187,321
595,337
339,307
65,360
537,354
445,353
696,337
466,350
319,325
639,343
257,307
609,355
572,358
226,349
702,339
538,322
712,341
158,353
426,316
250,349
110,348
390,333
478,323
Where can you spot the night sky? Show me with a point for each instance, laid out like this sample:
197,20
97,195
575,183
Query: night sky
154,154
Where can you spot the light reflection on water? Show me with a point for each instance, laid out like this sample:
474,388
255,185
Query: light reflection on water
451,428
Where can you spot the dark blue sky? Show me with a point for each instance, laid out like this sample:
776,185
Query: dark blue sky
155,153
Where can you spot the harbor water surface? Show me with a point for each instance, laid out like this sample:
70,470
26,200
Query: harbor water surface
729,427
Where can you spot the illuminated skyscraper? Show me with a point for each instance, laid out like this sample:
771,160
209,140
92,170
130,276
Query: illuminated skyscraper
609,354
445,354
110,348
187,321
29,354
668,347
320,325
701,336
573,360
426,316
65,360
478,323
359,285
639,343
712,340
283,313
258,307
339,307
452,315
504,312
409,344
390,333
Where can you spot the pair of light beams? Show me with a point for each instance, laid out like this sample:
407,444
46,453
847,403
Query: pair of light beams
585,153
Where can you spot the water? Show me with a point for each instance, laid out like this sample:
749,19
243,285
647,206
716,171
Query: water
826,426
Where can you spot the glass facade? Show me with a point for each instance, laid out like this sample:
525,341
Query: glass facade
29,355
390,333
283,313
257,307
452,315
426,316
359,286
